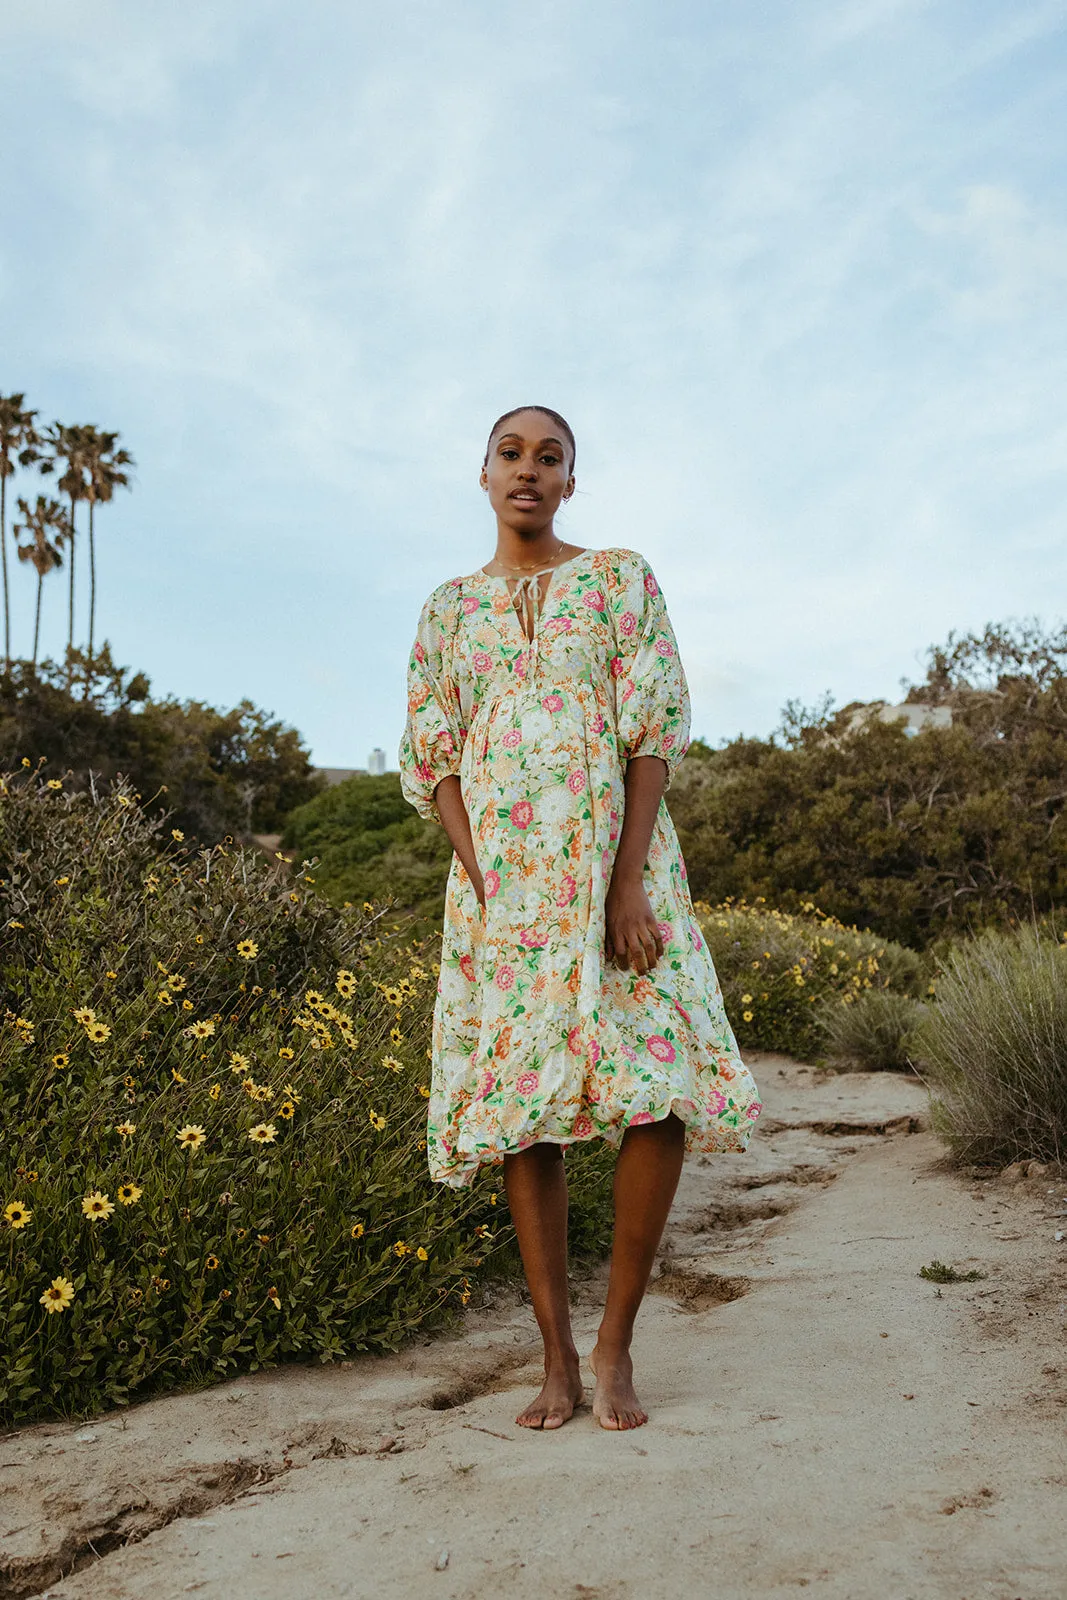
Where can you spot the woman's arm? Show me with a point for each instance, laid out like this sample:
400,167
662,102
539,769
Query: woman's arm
631,935
448,796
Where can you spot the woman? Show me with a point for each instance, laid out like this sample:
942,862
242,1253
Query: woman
548,711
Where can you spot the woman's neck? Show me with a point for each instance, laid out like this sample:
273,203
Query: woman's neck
518,550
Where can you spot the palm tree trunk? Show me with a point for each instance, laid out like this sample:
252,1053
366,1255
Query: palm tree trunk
37,618
92,591
70,609
3,551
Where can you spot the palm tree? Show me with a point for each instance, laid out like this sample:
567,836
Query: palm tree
104,463
19,441
71,445
45,517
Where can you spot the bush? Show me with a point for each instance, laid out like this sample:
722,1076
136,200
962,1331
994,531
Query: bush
372,845
781,971
875,1033
212,1098
995,1047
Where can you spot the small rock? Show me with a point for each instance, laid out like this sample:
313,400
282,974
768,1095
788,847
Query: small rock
386,1444
1015,1173
442,1561
1037,1169
86,1437
1059,1235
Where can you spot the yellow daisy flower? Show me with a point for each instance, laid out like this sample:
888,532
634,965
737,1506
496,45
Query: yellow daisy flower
286,1109
126,1129
392,1063
60,1061
129,1193
16,1215
746,1016
286,1053
58,1295
192,1136
97,1032
345,983
176,982
97,1207
55,783
376,1122
274,1298
263,1133
176,1075
746,999
84,1015
290,1093
357,1230
215,1091
248,949
201,1030
239,1063
176,833
422,1254
212,1263
401,1248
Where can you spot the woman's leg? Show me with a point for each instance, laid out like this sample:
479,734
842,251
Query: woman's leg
646,1177
537,1195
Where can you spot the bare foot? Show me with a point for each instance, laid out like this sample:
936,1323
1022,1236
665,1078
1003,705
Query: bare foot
615,1402
562,1391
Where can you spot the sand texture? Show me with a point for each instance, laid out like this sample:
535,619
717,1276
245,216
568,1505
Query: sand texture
822,1418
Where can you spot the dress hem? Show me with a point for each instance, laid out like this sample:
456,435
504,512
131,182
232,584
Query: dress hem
461,1177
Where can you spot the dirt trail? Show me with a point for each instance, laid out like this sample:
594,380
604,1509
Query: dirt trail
822,1417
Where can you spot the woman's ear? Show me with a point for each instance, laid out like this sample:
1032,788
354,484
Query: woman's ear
569,490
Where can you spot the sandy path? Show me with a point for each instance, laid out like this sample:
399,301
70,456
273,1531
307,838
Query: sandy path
822,1417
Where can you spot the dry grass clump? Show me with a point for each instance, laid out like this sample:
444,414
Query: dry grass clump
995,1047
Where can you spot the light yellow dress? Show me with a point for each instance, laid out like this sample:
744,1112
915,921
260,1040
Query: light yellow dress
535,1036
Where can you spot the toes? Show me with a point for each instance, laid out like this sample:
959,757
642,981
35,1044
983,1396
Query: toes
553,1420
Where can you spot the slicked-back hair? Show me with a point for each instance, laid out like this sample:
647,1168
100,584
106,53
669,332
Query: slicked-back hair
545,411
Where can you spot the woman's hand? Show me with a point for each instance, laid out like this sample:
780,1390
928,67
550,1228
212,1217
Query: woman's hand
631,934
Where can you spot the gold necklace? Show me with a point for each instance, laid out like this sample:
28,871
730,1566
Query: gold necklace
513,572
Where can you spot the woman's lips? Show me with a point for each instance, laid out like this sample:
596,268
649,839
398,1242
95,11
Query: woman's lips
525,499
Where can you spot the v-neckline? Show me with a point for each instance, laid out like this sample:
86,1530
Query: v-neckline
512,593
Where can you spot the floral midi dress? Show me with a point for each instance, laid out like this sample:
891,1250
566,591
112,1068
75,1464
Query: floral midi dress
535,1035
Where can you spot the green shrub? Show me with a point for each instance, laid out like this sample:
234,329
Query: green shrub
212,1103
781,971
875,1033
995,1047
371,845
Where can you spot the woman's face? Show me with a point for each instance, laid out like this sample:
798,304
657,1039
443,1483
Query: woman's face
527,472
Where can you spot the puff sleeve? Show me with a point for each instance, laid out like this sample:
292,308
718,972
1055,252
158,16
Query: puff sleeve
651,692
434,735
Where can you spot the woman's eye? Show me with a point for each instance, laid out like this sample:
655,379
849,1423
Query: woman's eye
509,453
551,460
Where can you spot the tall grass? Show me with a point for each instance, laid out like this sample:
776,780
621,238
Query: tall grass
994,1047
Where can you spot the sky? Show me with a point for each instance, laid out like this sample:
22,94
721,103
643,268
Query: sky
794,270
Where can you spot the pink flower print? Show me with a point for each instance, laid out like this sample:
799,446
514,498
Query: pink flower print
574,1040
618,666
754,1110
511,738
666,932
628,1051
533,939
583,1126
614,833
716,1102
466,966
521,814
660,1047
553,702
470,604
651,586
520,664
627,623
639,1117
598,723
567,890
488,1083
592,1052
667,742
628,690
491,880
527,1083
681,867
446,741
424,771
664,647
576,781
482,661
420,653
682,1012
504,977
594,600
